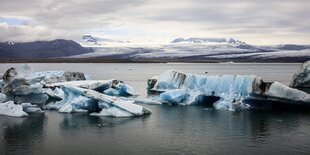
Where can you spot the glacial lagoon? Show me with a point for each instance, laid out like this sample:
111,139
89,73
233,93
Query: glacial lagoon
169,129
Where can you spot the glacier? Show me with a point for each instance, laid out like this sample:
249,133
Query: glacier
229,92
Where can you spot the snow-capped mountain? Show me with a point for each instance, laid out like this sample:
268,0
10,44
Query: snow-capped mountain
178,50
41,49
89,40
202,50
208,40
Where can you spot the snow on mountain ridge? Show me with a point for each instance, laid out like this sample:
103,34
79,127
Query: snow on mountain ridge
89,41
207,40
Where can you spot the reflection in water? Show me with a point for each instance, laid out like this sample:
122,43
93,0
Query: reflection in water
80,121
169,130
26,134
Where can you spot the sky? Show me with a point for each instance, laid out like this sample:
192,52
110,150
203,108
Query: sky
261,22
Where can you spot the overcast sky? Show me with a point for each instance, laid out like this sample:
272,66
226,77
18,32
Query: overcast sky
252,21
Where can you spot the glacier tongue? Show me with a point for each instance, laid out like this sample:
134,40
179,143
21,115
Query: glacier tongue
232,90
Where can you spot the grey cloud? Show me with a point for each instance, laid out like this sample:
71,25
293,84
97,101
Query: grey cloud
75,17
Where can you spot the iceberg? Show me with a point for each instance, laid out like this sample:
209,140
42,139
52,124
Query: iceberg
301,78
280,92
10,109
128,106
73,102
78,99
66,92
229,92
22,87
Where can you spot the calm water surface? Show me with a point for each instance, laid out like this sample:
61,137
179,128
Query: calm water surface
170,129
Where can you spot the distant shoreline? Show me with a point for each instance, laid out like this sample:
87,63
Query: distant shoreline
114,60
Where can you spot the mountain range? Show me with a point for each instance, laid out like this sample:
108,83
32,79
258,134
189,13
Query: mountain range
41,49
96,49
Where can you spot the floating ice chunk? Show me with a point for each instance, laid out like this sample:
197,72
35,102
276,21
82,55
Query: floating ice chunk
74,102
230,91
114,101
79,100
187,89
60,76
170,80
29,108
280,92
113,112
10,109
176,96
301,78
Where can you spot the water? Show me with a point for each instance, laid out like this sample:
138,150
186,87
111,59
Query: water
170,129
